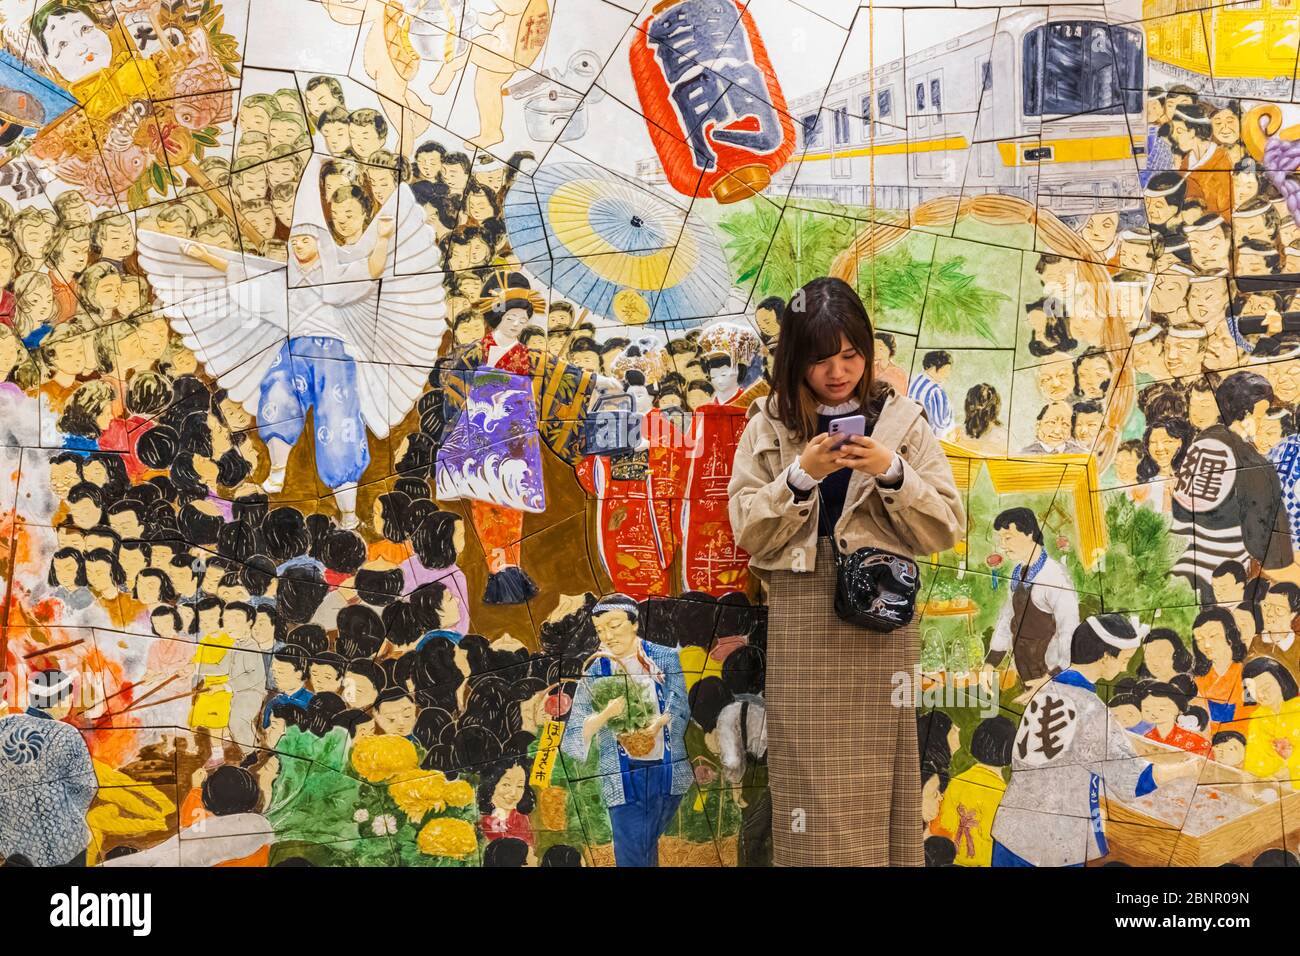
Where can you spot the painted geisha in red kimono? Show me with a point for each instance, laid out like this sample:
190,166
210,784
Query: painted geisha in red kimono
501,402
711,560
636,493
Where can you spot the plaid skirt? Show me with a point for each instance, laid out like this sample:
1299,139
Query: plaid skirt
843,762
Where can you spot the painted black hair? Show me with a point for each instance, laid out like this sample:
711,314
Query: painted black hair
256,574
360,631
62,555
198,527
286,534
434,540
300,593
379,586
230,790
343,551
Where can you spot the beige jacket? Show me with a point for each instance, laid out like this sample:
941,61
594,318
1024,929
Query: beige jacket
926,514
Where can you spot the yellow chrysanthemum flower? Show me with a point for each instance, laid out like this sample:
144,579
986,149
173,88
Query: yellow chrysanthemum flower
447,836
417,792
458,793
379,758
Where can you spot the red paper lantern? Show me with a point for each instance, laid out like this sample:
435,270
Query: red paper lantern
717,116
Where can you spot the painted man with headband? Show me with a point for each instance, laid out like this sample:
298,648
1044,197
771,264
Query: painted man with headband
643,791
1069,752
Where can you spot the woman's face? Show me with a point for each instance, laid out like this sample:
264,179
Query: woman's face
1126,467
38,303
149,589
383,182
206,469
458,537
65,572
835,378
1093,375
509,789
34,237
428,165
511,324
1163,447
470,330
1159,658
1211,640
107,292
480,207
220,437
99,576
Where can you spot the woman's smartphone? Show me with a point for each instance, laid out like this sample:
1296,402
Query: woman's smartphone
841,428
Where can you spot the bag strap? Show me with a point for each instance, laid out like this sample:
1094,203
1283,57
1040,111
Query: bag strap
821,526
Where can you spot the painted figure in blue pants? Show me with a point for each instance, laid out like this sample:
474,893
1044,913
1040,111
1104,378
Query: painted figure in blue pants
643,791
348,332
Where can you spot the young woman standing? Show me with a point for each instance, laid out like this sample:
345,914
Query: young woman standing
843,759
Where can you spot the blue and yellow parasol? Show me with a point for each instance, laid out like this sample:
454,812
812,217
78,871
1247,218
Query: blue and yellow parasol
619,249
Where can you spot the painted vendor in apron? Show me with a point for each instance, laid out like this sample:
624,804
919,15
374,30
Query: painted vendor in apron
1069,752
1037,623
642,792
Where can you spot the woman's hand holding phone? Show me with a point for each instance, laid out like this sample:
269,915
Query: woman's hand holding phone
820,457
864,454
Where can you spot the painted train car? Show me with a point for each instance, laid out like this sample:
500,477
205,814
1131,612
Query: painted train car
1048,110
1245,49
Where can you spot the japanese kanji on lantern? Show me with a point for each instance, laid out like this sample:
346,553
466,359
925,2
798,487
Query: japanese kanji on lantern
715,110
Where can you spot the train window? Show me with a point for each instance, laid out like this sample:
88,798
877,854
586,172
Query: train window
986,76
841,125
920,96
934,95
1082,66
884,104
812,129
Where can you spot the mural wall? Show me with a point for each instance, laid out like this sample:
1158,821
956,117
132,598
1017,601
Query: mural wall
372,371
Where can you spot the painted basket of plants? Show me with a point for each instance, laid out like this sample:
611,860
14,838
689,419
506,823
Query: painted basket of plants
630,728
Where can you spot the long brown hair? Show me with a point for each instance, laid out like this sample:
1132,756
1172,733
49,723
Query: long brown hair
811,326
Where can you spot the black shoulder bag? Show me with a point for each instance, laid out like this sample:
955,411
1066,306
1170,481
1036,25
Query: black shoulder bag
874,588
